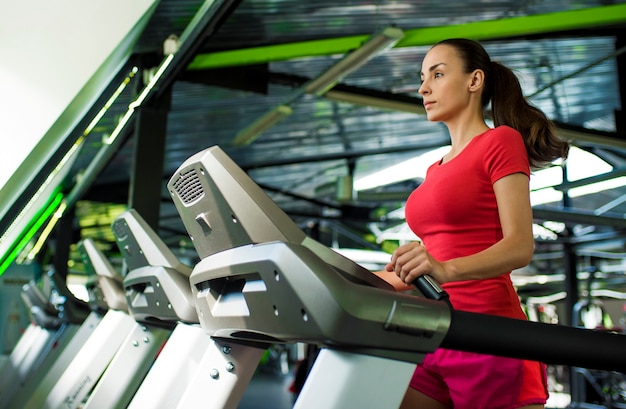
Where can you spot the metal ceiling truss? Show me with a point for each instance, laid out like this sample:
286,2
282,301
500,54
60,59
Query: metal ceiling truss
257,79
578,216
486,30
377,43
499,29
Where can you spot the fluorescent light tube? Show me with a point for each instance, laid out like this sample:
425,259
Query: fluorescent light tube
384,40
261,125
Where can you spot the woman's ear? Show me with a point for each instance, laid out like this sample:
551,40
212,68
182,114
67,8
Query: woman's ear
477,80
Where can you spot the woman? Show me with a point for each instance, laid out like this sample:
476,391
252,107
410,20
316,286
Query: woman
473,215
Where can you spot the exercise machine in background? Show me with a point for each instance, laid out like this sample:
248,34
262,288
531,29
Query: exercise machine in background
158,290
133,359
116,341
60,324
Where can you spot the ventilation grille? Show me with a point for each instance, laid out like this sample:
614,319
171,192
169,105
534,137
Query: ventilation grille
120,228
188,187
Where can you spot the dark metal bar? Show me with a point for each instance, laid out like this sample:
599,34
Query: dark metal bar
149,156
548,343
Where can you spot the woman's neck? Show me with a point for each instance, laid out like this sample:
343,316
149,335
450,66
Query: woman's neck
461,133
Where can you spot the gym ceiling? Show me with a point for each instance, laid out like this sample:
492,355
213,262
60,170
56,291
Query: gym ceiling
241,79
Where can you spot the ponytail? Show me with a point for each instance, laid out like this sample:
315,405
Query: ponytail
510,107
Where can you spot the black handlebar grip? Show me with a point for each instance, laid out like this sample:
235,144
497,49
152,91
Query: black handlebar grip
431,289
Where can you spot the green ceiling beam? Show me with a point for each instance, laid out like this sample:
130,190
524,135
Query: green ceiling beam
483,30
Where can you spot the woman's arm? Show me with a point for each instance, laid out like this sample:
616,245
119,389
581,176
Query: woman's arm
515,250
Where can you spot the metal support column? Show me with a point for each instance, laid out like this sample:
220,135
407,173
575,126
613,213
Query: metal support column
620,114
146,177
570,263
63,240
571,282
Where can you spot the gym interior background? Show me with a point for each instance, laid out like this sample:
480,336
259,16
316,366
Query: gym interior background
318,103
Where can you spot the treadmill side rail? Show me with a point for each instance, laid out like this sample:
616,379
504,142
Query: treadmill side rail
72,386
174,369
341,379
42,381
231,368
128,368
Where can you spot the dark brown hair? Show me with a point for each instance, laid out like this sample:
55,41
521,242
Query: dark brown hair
509,106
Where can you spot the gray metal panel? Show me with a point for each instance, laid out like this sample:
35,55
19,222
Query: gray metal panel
279,292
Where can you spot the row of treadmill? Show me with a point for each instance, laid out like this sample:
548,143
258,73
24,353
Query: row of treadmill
166,335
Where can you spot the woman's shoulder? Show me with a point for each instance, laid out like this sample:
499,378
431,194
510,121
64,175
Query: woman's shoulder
504,149
503,131
501,135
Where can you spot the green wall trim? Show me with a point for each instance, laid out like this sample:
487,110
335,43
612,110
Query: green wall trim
30,230
483,30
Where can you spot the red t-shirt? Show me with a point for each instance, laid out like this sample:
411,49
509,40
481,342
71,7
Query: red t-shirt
455,214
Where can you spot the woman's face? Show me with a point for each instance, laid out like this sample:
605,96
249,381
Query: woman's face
445,87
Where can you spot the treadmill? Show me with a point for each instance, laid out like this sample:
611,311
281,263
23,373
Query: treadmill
158,290
137,352
261,280
87,372
57,322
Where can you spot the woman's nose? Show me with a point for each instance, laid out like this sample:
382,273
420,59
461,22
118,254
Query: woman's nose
423,89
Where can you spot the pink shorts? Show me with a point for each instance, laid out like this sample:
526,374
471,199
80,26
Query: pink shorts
466,380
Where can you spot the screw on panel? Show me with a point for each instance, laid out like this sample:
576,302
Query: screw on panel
230,366
214,373
226,349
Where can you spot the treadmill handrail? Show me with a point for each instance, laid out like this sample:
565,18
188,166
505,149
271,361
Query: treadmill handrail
350,315
537,341
283,292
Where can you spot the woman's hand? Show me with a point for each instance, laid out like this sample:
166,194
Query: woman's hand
412,260
391,278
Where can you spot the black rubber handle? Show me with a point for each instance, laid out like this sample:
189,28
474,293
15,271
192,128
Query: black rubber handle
548,343
431,289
